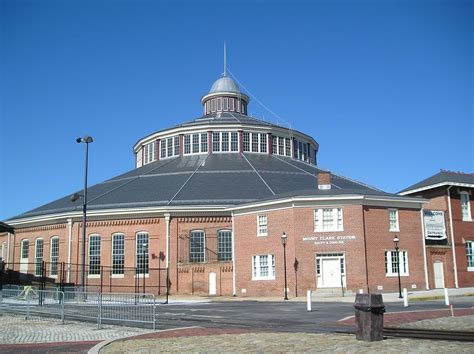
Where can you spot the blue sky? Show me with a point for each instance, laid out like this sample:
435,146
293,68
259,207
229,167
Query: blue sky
385,87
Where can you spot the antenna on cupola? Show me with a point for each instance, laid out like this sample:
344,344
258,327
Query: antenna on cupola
225,61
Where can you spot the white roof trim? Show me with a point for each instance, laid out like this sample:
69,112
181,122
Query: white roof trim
432,186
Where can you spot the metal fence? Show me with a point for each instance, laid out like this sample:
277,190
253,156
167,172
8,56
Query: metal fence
131,308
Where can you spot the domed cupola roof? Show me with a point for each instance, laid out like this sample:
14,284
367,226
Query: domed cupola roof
225,84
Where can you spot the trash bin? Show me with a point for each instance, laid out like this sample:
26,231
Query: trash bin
369,309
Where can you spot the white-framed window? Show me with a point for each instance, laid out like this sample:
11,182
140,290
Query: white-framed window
470,255
169,147
262,225
39,252
176,145
281,146
94,255
224,245
118,254
465,207
225,142
196,246
393,220
195,143
328,219
54,252
25,249
391,263
149,152
3,255
263,267
142,251
139,157
254,142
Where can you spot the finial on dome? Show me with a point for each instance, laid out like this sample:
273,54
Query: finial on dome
225,61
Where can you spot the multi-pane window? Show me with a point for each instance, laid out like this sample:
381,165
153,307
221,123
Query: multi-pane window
94,255
465,207
328,219
470,255
195,143
226,104
224,245
149,152
262,227
39,256
196,246
300,150
225,142
169,147
25,249
176,145
54,255
118,254
263,267
287,147
391,263
255,142
393,219
141,249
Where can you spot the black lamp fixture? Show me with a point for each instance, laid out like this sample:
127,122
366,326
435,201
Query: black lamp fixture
86,140
396,242
284,240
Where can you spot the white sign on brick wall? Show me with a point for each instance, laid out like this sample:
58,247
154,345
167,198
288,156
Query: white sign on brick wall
329,240
435,228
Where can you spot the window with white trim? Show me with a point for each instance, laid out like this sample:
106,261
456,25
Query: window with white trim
94,255
281,146
263,267
118,254
465,207
254,142
196,246
195,143
141,251
149,152
470,255
39,248
393,220
262,227
224,245
25,247
54,255
328,219
4,252
391,263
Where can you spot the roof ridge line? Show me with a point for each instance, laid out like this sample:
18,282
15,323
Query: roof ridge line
186,182
258,174
127,182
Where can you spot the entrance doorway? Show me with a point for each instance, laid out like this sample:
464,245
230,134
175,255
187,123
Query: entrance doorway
212,283
330,270
438,271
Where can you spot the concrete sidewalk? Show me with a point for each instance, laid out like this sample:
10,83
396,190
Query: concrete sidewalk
325,297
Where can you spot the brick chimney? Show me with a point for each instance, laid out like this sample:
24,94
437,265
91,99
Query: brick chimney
324,180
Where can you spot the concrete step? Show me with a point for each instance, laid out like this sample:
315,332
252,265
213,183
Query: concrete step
331,292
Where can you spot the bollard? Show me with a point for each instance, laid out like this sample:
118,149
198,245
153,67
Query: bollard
446,296
361,291
405,297
308,300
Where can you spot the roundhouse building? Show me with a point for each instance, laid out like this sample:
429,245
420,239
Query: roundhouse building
210,200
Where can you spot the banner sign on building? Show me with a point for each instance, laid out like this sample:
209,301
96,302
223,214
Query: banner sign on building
435,228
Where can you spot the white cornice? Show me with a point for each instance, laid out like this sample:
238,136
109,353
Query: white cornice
437,185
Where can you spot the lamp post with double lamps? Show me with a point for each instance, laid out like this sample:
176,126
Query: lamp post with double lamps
396,241
86,140
284,239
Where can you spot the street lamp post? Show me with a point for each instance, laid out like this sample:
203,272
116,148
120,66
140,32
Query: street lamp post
86,140
284,239
396,241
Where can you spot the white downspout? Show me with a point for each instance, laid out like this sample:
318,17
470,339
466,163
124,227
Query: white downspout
425,262
167,219
234,292
451,229
69,245
8,249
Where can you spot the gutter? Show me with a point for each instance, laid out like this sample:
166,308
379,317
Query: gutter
451,229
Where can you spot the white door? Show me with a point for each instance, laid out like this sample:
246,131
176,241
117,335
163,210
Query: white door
438,274
212,284
331,272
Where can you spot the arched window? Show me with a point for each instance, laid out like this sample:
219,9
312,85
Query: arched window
224,245
196,246
94,255
54,255
118,254
39,243
141,250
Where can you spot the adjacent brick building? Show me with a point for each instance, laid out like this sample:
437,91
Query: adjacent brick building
206,208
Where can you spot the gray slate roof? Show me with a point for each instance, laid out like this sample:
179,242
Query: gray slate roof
213,180
443,177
